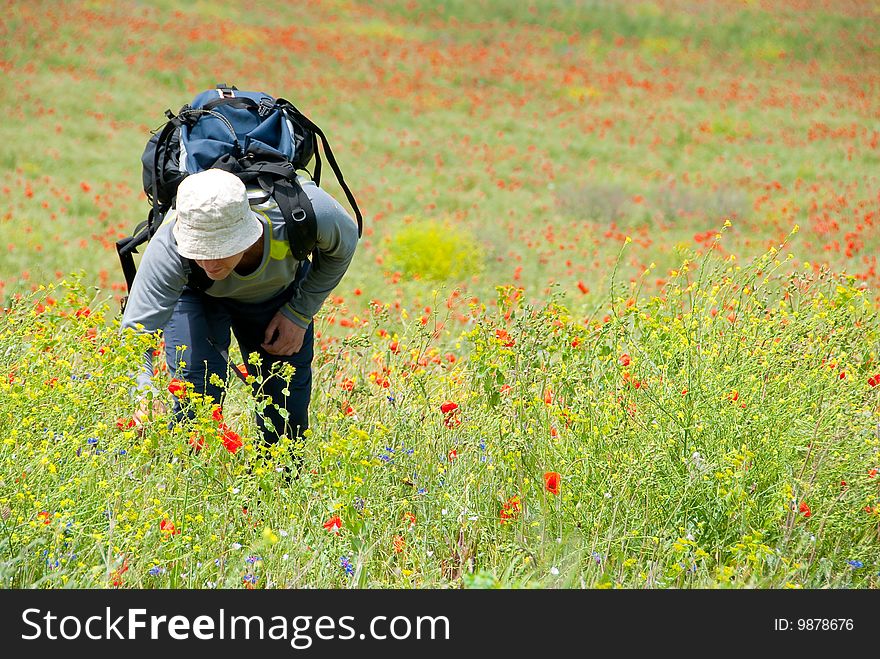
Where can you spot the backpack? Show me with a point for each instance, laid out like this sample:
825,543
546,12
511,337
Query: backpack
261,139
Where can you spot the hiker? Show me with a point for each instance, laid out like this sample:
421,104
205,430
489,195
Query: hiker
256,288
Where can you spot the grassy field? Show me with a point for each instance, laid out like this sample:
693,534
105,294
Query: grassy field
612,322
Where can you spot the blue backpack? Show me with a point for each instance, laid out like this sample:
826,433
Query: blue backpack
261,139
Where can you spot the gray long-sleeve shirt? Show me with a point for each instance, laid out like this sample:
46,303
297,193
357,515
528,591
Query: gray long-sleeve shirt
161,278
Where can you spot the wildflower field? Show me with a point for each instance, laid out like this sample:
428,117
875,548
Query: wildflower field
613,321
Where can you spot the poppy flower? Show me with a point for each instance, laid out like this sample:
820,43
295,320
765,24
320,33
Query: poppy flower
409,519
450,414
874,380
624,360
124,424
504,338
44,517
177,388
398,543
231,440
510,510
551,482
334,524
197,442
805,509
168,527
116,577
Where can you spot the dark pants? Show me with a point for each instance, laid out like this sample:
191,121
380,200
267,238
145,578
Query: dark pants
198,316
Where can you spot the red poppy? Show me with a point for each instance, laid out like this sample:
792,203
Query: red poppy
334,524
116,577
197,442
44,516
217,414
504,338
624,360
409,519
874,380
231,440
347,384
177,388
551,482
124,424
805,509
398,543
510,509
872,473
450,414
453,454
168,527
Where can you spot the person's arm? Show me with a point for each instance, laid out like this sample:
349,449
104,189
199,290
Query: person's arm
337,240
156,288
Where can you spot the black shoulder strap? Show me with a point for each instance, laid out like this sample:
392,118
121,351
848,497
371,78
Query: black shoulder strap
308,123
299,217
196,278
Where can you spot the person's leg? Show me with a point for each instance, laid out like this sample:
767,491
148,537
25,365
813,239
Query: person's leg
293,396
188,350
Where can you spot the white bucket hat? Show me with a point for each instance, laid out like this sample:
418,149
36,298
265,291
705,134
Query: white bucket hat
214,219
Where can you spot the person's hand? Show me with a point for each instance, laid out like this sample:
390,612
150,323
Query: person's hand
145,412
290,336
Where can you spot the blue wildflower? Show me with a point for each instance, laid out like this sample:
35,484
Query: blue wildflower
856,564
253,559
155,571
346,565
92,441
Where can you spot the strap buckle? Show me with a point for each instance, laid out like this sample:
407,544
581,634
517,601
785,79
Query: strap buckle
266,106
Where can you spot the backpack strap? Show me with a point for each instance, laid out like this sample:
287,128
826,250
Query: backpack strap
196,278
287,106
299,217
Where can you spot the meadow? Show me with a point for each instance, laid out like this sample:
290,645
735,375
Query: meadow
613,321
